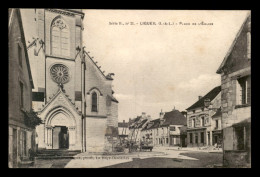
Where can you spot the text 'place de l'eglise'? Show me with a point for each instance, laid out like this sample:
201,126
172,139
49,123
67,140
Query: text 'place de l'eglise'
61,101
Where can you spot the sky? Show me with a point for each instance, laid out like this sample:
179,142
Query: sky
157,67
160,67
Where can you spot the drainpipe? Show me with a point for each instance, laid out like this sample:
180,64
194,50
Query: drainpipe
83,102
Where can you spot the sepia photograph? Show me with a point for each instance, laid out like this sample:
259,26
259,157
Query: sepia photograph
113,88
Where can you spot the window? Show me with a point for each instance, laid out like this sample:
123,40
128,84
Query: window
202,137
166,140
248,45
240,134
216,124
21,95
193,122
157,131
20,56
190,137
202,121
244,90
24,143
193,111
196,138
94,102
172,128
60,38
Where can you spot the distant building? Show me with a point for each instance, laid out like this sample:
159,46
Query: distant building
135,127
21,116
235,73
165,131
203,124
123,130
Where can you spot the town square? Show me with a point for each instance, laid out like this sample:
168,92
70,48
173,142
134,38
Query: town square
129,88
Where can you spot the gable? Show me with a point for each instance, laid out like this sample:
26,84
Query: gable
60,99
236,57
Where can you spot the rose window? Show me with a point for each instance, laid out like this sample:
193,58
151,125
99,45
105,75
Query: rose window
60,73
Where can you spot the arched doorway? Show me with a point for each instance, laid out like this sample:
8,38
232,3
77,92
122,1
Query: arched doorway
60,130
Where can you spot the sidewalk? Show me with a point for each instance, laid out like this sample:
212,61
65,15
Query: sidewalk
200,149
129,155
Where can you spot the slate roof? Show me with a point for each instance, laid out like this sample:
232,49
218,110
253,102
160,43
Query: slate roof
210,95
154,124
135,122
142,123
174,117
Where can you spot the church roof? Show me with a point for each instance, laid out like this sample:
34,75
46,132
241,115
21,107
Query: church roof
108,77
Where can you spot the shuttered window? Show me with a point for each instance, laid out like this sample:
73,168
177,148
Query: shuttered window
244,90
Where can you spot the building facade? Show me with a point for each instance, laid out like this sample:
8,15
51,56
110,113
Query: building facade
72,96
123,130
166,130
135,127
201,127
20,84
235,71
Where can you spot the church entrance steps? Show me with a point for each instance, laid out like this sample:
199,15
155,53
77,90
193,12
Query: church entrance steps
56,154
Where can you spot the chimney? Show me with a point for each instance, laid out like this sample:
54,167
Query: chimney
184,113
143,114
200,97
161,114
149,117
123,121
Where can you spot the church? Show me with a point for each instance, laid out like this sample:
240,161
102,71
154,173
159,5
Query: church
71,95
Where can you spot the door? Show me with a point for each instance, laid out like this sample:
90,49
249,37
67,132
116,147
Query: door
209,139
215,139
14,148
64,138
55,138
